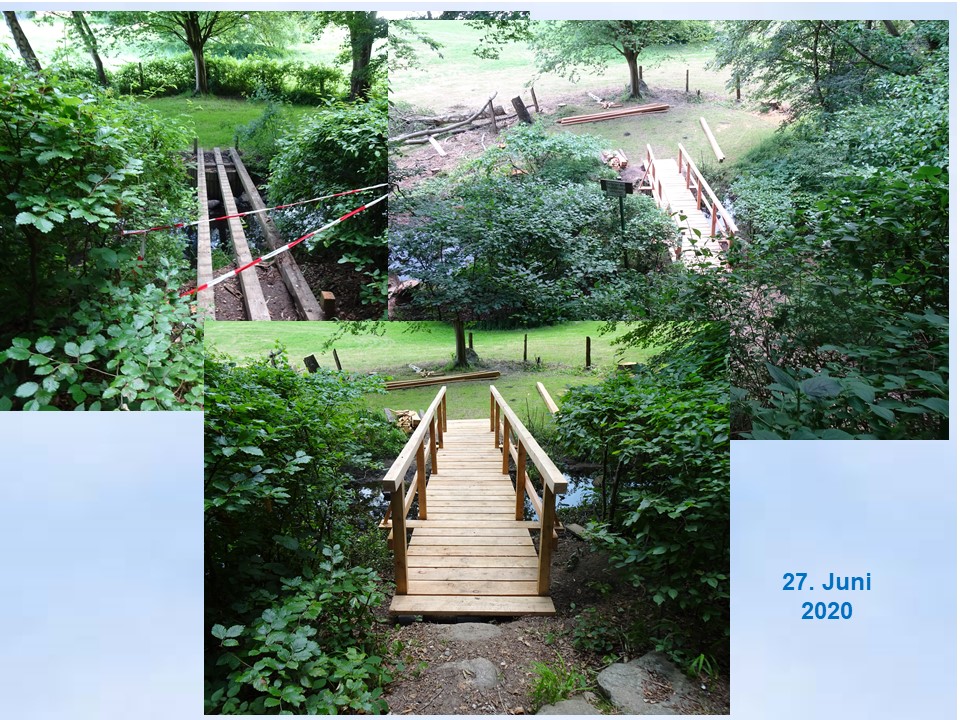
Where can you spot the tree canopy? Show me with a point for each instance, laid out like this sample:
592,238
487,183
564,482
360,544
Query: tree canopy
569,46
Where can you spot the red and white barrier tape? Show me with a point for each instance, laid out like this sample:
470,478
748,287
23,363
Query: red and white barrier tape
284,248
252,212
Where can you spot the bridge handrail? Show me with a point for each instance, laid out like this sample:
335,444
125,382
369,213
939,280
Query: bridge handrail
502,417
434,422
717,208
656,185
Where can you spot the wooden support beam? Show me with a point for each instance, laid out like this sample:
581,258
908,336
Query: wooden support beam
253,300
329,309
290,272
205,301
713,141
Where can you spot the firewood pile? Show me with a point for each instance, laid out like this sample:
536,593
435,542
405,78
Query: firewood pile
616,159
421,372
407,420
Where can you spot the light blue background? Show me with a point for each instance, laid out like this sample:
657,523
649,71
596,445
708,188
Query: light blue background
848,508
101,568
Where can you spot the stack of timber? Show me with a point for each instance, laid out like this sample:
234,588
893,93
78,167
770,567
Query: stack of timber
617,159
614,114
465,124
442,380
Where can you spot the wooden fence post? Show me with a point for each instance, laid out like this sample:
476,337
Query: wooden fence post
588,352
546,540
399,526
737,81
533,94
688,79
336,359
524,347
470,341
422,478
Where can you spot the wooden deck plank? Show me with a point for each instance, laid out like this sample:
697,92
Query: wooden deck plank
477,561
441,605
472,532
472,587
473,550
471,541
527,574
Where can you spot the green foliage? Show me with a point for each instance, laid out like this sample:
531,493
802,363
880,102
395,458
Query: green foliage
552,684
660,436
569,46
819,64
524,235
124,346
81,165
281,452
838,298
340,147
260,138
251,76
312,652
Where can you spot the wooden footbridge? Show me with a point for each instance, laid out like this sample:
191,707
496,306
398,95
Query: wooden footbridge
470,550
678,187
221,179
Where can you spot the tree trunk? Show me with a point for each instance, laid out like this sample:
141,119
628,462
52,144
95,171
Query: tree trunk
637,86
459,330
362,35
90,42
23,45
196,41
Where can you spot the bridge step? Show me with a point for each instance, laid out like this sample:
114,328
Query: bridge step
485,605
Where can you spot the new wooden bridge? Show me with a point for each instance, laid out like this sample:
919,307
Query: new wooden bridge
677,186
221,178
470,550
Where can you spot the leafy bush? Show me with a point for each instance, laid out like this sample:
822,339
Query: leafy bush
253,75
294,611
660,437
312,652
340,147
84,323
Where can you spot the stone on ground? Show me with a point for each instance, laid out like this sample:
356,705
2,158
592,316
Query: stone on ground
650,685
577,705
479,672
469,632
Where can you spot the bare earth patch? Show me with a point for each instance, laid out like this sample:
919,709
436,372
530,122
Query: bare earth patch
439,674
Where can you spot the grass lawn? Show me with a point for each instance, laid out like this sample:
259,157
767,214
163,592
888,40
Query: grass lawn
736,130
215,120
560,347
461,79
401,343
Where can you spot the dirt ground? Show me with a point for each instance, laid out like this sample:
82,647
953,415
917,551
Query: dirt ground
426,684
418,162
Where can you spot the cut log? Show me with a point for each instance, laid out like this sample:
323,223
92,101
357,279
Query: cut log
521,109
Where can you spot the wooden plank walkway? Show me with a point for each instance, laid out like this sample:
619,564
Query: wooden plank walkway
205,304
680,199
471,556
296,284
253,299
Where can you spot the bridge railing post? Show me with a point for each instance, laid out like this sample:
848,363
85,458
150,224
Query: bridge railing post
521,478
399,531
547,521
506,446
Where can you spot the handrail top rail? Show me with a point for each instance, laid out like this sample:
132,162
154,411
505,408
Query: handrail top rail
393,480
551,475
731,225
